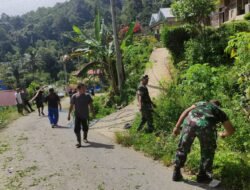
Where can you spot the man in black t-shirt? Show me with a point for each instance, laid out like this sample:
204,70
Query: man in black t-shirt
81,102
39,99
25,95
53,101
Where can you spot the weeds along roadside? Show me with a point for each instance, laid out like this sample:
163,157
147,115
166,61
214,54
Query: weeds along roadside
203,81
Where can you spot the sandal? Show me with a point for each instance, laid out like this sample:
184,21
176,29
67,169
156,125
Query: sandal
78,145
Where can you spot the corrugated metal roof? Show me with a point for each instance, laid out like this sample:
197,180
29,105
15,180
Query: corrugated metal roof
154,18
166,12
7,98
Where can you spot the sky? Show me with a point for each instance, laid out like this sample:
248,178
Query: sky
19,7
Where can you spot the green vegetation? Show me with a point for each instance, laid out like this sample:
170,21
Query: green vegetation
101,108
32,45
212,64
7,114
135,58
3,147
174,37
195,12
247,16
15,182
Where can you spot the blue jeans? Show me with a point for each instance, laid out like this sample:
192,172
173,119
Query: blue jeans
53,115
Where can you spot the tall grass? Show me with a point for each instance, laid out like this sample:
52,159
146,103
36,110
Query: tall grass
7,114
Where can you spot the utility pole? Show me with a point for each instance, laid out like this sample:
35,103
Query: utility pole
64,60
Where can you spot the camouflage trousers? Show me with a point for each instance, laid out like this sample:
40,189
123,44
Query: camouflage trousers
147,117
207,137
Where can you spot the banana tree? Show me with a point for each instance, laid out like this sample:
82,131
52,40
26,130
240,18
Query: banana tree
99,49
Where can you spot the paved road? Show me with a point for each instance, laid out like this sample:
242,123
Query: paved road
48,159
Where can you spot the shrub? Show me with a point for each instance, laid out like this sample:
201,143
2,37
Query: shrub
247,16
100,107
193,52
231,28
7,114
168,109
135,59
173,38
209,46
32,88
124,139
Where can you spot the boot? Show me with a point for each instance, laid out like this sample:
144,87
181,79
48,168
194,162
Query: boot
177,174
203,177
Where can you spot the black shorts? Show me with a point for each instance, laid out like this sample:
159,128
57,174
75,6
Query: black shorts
39,104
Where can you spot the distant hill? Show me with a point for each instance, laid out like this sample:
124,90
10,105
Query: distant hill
48,23
51,23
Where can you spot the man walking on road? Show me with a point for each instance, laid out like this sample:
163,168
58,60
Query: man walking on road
145,105
39,98
81,102
20,103
25,95
200,121
53,103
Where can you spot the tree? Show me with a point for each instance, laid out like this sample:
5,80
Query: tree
195,12
15,69
119,66
98,49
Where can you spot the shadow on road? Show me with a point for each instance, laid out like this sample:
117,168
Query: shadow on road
201,185
98,145
61,127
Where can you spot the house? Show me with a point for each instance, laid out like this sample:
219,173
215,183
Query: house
87,69
229,10
164,16
154,19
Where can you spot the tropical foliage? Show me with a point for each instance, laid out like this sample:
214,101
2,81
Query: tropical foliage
212,64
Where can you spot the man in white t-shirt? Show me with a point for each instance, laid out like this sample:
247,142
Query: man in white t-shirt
19,102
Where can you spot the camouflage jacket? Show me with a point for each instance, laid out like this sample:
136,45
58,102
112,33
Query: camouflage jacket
204,115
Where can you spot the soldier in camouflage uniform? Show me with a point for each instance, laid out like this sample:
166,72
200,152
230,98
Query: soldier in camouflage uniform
200,121
145,105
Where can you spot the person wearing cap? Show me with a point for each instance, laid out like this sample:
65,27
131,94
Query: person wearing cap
145,105
200,121
82,102
53,104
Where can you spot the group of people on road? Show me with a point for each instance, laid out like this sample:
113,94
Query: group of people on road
23,101
80,102
52,99
200,120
